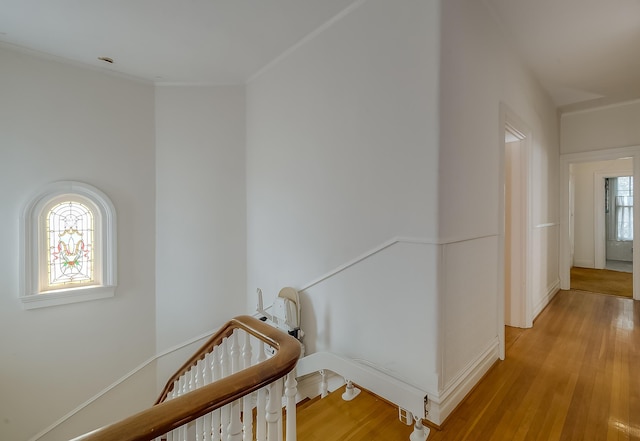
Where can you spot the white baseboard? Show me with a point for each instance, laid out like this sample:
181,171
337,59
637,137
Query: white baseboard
551,292
442,405
584,263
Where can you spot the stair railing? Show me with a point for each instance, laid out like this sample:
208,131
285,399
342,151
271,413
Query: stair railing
212,396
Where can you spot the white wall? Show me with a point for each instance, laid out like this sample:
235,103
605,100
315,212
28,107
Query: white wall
601,128
584,210
342,156
201,249
479,71
59,122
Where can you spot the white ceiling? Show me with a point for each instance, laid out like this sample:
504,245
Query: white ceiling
585,52
174,41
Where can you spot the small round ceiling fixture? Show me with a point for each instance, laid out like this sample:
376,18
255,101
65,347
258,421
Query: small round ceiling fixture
106,59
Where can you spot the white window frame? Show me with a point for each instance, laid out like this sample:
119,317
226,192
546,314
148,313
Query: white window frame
35,291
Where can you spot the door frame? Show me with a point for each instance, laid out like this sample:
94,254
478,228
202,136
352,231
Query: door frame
509,120
566,160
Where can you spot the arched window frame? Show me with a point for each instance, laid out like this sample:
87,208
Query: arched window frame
35,290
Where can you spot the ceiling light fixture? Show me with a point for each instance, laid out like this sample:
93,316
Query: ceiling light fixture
106,59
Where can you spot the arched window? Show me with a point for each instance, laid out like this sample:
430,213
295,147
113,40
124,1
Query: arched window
69,246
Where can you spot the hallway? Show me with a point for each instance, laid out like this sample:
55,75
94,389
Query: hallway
573,376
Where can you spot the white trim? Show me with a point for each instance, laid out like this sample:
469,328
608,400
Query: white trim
552,290
306,39
599,108
583,264
509,120
387,244
455,392
161,83
66,296
547,225
31,294
73,63
460,239
365,256
600,155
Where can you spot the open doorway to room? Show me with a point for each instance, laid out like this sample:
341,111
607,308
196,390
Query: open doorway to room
515,231
602,226
598,228
515,308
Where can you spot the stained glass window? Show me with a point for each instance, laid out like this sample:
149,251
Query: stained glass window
70,229
68,240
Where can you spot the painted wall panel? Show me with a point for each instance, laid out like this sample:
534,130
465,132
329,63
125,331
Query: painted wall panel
470,304
480,72
601,128
395,311
201,213
60,122
342,148
545,281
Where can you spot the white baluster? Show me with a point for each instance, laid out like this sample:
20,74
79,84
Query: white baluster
206,379
184,380
225,367
235,425
235,353
247,404
290,391
191,376
274,411
173,435
216,374
279,391
261,403
247,351
216,424
198,384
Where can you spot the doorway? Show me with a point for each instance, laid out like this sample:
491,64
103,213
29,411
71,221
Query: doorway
515,239
515,244
584,235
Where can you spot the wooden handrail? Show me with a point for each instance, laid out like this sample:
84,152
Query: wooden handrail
171,414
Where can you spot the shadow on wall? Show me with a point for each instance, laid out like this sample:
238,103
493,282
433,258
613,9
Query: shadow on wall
308,323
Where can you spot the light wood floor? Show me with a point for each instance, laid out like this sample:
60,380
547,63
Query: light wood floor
574,376
366,417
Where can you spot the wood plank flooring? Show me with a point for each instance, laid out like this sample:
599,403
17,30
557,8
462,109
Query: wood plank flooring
603,281
366,417
574,376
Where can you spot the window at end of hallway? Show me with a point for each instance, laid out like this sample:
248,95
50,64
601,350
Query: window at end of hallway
623,190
